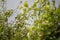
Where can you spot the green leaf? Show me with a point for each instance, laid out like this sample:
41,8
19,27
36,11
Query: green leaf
25,4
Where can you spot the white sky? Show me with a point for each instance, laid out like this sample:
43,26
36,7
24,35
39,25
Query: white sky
13,4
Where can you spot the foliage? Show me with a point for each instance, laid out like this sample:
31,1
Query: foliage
45,17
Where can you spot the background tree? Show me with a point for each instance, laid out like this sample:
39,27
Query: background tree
44,15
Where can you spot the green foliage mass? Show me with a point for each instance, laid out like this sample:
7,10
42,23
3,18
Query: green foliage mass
45,18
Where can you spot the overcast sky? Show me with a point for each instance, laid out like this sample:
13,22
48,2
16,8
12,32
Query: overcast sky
13,4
